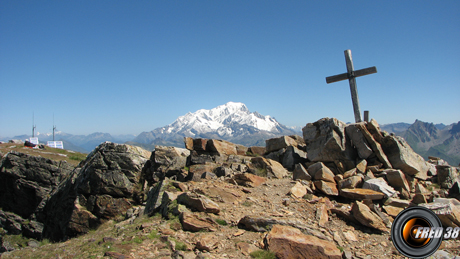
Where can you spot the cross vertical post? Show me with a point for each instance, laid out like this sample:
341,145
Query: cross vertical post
351,76
353,88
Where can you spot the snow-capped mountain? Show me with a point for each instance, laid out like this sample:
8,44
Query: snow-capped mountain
231,121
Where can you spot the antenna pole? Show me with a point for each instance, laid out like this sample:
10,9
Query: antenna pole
33,125
54,127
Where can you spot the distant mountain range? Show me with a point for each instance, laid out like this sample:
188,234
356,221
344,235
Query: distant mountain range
428,139
235,123
232,122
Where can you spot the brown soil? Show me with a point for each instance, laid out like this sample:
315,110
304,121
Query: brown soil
151,237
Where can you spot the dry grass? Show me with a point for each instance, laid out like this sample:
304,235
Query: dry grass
55,154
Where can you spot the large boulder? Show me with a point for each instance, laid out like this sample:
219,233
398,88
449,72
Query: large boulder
26,182
221,147
271,167
106,186
327,142
275,144
165,162
401,156
293,156
289,242
359,140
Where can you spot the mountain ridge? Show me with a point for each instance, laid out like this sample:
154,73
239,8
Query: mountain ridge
231,121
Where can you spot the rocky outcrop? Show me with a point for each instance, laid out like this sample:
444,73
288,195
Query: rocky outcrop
26,183
106,186
327,142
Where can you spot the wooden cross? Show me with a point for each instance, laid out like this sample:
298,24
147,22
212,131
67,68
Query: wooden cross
351,75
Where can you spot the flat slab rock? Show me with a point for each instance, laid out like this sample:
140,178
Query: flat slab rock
361,194
288,242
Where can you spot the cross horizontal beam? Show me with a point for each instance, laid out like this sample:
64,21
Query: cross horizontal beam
356,73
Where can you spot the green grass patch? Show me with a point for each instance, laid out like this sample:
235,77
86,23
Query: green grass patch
261,172
153,234
221,222
247,203
263,254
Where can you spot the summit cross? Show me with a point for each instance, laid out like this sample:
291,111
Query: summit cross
351,75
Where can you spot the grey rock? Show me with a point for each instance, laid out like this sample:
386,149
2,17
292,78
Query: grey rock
300,173
401,156
275,144
380,185
293,156
359,141
327,142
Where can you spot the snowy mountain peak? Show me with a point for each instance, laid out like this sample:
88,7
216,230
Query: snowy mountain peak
231,121
222,119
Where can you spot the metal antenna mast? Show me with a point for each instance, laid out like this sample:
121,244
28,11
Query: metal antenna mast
33,125
54,127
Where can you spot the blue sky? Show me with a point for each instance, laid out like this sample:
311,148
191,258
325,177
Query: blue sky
124,67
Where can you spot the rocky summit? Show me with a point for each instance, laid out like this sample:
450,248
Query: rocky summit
331,193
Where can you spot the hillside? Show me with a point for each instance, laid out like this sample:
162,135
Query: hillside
56,154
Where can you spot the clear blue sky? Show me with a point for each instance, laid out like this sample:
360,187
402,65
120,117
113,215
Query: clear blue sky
131,66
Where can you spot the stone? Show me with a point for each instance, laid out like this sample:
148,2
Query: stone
154,197
361,167
298,190
5,246
257,150
208,175
288,242
374,129
327,142
366,217
275,144
321,215
358,140
392,210
447,176
200,169
397,202
328,188
246,248
200,144
188,142
321,172
380,185
273,168
276,155
223,171
193,222
293,156
338,178
373,138
249,180
108,207
401,156
300,173
207,242
221,147
351,182
397,179
26,182
350,236
198,202
241,150
349,173
361,194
